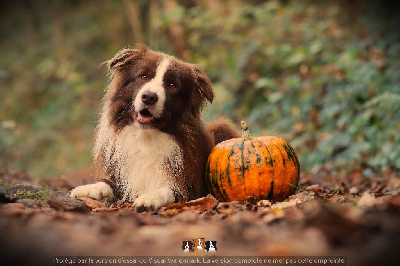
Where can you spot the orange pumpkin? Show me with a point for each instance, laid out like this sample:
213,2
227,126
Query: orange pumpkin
264,167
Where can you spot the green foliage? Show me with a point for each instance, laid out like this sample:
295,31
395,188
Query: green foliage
2,184
299,70
323,75
388,101
39,196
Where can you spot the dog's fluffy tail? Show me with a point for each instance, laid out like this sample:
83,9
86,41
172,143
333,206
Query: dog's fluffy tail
222,129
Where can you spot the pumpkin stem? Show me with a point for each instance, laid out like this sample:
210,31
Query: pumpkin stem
245,131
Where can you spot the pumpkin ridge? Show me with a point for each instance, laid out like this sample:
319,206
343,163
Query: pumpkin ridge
223,194
227,168
280,151
215,175
293,157
212,186
258,160
269,163
295,160
271,192
243,168
216,187
279,147
291,154
257,154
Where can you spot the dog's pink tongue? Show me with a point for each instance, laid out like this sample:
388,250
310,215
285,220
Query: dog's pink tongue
144,119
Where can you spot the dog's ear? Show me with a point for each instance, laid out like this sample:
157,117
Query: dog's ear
126,57
203,84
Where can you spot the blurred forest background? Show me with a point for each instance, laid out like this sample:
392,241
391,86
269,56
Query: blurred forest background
324,75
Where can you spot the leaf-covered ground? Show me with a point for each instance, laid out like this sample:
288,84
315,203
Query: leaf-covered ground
356,217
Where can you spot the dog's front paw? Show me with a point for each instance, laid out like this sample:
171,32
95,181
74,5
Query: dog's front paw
153,200
99,190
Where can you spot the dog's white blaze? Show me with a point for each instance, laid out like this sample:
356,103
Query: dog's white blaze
155,85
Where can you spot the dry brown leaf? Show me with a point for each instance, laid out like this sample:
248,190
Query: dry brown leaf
91,203
201,205
315,188
368,200
169,213
125,205
106,209
286,204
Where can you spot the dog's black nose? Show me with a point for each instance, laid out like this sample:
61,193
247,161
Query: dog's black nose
149,98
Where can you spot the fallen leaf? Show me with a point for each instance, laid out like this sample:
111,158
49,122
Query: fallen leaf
315,188
91,203
286,204
201,205
169,213
106,209
368,200
378,187
264,203
354,190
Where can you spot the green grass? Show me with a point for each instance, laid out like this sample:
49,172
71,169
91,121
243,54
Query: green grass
39,196
2,184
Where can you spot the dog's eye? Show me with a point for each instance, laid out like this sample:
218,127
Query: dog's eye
143,77
172,85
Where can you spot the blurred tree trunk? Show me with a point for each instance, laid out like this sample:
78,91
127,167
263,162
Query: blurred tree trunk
155,32
32,20
132,9
57,29
177,32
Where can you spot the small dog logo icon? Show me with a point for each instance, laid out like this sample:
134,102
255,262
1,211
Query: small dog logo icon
198,246
211,247
187,246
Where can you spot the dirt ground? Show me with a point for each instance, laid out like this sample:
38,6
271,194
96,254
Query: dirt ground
355,219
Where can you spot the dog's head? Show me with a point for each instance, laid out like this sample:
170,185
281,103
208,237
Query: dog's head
154,90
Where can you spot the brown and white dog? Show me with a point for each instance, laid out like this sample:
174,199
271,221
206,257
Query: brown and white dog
151,143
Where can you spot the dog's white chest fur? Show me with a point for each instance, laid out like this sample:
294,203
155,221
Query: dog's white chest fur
145,161
143,158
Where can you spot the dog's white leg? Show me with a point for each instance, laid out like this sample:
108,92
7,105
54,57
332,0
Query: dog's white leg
155,199
99,190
